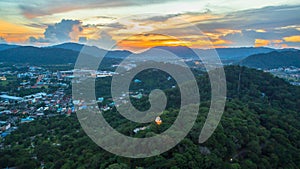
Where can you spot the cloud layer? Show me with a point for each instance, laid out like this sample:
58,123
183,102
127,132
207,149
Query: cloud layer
273,25
64,31
33,10
226,23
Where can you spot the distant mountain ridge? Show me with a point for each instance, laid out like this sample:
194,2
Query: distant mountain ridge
68,53
241,53
234,54
35,55
7,46
58,54
92,50
273,59
69,45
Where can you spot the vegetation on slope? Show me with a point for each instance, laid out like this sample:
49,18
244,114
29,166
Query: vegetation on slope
259,129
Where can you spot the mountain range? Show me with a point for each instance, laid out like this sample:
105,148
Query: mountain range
7,46
272,60
256,57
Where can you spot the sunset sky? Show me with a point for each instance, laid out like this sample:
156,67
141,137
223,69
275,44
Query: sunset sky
135,24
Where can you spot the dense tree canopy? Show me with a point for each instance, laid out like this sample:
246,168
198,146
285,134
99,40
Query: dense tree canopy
259,129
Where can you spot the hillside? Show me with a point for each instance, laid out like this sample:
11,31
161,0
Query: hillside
7,46
236,54
68,53
93,50
60,54
34,55
227,55
71,46
259,129
273,59
49,56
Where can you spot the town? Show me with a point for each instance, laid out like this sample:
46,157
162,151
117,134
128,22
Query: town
30,92
291,74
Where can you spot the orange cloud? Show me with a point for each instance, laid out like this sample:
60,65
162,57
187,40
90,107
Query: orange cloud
292,38
199,18
17,33
261,42
143,41
276,41
150,40
260,30
217,34
74,35
220,42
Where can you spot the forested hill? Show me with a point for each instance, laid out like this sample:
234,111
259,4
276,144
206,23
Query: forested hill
50,56
7,46
259,129
59,54
34,55
68,52
274,59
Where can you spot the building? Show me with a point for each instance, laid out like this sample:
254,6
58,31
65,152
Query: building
27,119
3,78
11,98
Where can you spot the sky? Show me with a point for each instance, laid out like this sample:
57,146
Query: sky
138,24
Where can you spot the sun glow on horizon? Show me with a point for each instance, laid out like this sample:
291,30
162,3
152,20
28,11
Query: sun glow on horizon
230,24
